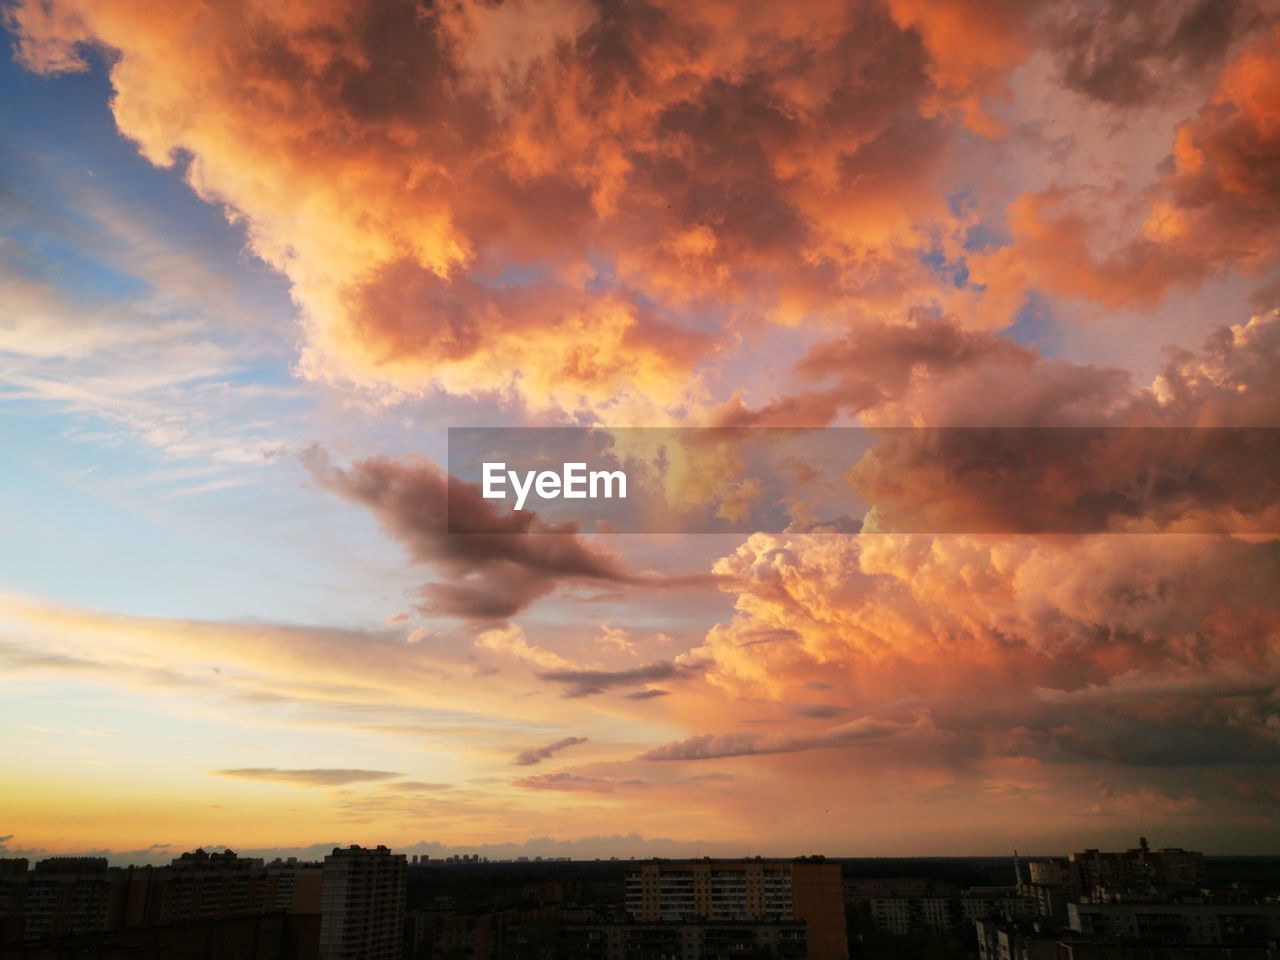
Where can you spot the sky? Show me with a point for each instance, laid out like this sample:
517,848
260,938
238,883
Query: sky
256,258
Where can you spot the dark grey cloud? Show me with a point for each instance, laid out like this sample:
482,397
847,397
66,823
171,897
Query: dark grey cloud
535,755
718,746
650,694
576,782
1231,731
584,683
818,711
507,560
1127,54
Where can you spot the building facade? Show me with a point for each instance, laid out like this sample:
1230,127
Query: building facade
758,891
362,904
1199,924
904,915
65,900
1140,868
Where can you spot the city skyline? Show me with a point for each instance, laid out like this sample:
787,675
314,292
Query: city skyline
370,903
256,258
544,850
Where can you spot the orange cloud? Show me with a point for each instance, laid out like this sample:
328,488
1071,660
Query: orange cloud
541,198
929,371
973,44
1132,650
997,639
1129,55
585,208
1215,207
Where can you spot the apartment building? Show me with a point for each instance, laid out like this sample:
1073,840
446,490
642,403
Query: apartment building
362,904
1198,923
1139,868
807,890
194,897
947,914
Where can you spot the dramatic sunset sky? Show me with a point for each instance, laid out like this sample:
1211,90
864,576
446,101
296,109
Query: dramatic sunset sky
256,256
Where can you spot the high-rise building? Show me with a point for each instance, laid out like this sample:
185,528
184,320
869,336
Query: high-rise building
362,904
205,886
67,895
1140,868
1049,884
779,891
68,902
1048,873
13,890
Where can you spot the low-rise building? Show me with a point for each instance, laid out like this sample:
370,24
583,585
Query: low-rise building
904,915
1002,940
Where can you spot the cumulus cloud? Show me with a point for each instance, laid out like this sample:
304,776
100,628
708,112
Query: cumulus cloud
1132,651
875,364
1214,207
930,371
588,210
625,168
1061,649
1193,452
1128,54
535,755
1192,480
